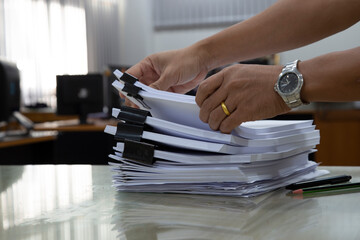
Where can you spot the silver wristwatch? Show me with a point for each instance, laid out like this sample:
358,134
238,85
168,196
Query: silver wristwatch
289,85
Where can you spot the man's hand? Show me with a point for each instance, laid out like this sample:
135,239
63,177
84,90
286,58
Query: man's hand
176,71
248,93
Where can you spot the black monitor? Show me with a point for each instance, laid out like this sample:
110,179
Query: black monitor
79,95
10,99
9,90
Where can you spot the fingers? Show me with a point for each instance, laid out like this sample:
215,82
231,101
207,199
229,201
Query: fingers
231,122
162,83
122,95
218,120
186,87
216,117
127,101
144,71
208,87
136,70
130,103
211,103
140,70
211,93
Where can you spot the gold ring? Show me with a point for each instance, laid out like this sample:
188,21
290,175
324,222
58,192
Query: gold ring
224,108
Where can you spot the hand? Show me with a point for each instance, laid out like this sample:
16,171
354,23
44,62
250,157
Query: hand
176,71
247,91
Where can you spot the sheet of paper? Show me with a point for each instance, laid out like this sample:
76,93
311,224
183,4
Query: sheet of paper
243,189
182,157
212,173
170,109
180,130
206,146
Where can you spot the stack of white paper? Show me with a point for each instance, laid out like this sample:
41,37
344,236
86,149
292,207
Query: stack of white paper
255,158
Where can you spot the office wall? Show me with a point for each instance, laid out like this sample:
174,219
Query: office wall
175,39
346,39
139,38
136,32
349,38
103,36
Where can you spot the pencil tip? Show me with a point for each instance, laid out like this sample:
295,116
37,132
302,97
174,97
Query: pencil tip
298,191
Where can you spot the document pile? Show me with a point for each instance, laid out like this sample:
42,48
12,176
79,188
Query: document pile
164,147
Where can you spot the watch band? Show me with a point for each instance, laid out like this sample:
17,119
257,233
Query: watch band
290,66
293,101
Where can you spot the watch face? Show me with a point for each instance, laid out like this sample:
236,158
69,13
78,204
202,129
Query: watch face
288,83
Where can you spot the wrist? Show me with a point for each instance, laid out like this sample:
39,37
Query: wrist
308,86
207,59
333,77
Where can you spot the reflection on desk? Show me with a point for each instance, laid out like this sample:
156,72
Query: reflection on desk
78,202
212,217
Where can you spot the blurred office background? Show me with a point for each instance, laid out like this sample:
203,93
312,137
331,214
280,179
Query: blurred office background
46,38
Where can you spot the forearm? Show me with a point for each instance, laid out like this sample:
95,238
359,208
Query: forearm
287,24
333,77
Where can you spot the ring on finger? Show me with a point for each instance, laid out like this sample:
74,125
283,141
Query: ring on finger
225,109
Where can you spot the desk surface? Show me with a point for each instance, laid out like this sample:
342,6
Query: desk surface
74,126
33,137
78,202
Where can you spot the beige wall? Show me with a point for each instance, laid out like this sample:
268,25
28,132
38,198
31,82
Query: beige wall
140,39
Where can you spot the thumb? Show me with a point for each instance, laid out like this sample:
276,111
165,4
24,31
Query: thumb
162,83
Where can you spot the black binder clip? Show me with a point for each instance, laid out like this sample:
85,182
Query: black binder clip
128,78
133,115
139,151
133,91
128,131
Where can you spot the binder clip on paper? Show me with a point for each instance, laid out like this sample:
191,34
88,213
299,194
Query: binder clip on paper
133,92
139,151
128,78
134,149
130,88
131,115
128,131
